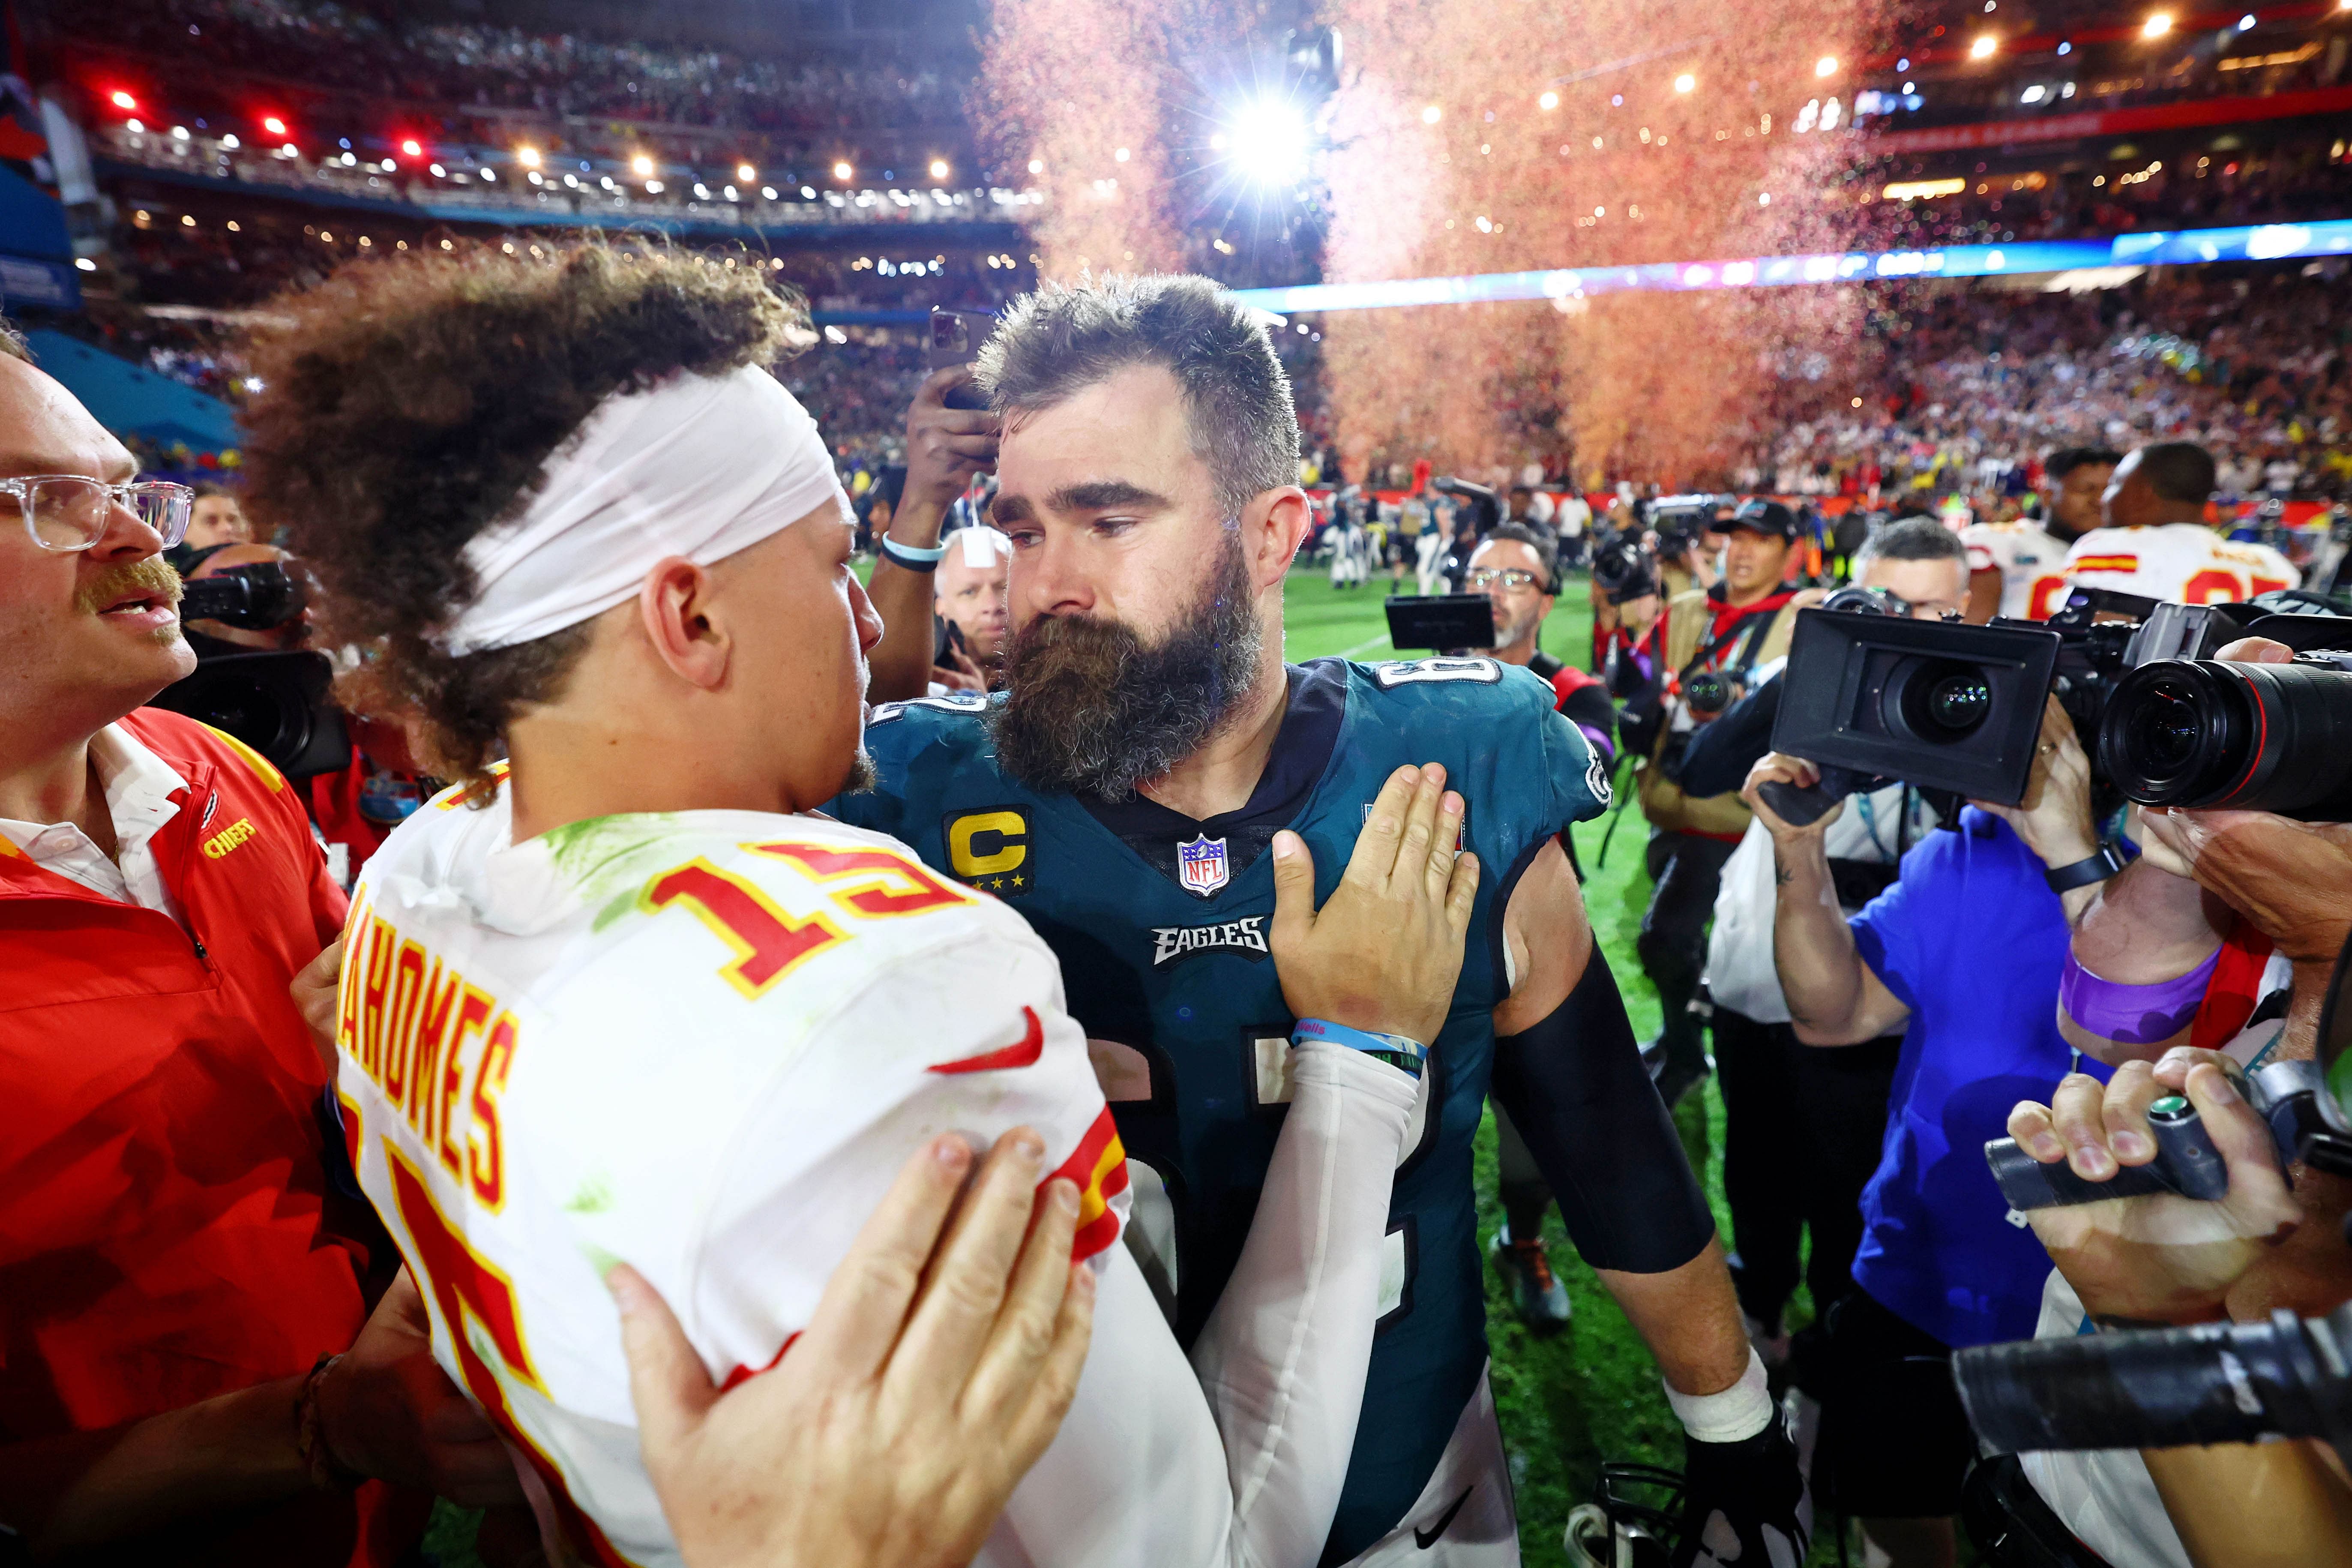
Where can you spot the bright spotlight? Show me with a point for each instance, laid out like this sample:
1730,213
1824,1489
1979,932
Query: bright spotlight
2246,22
527,156
939,168
1549,100
274,125
1036,165
1825,66
1432,115
1684,82
842,171
122,99
1983,47
1270,138
641,164
745,172
413,148
2157,26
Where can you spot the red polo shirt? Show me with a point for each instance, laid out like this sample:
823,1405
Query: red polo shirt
167,1232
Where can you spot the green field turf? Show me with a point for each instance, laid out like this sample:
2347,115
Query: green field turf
1591,1392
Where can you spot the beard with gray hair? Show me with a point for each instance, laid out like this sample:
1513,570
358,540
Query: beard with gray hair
1091,709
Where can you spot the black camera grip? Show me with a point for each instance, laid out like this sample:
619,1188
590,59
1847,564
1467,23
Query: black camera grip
2185,1163
1801,806
1797,806
2030,1184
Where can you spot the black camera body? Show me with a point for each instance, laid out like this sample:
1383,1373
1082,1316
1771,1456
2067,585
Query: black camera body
257,597
280,704
1872,698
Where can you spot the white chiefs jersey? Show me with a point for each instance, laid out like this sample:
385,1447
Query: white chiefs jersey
2185,563
704,1044
2032,563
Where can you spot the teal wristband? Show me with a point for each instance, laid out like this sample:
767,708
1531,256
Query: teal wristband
1406,1055
911,557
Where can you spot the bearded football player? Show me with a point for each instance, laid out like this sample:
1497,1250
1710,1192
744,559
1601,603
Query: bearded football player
621,999
1131,794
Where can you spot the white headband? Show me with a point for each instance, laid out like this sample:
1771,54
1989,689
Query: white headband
701,465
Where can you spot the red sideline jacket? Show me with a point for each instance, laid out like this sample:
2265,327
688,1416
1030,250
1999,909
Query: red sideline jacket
167,1232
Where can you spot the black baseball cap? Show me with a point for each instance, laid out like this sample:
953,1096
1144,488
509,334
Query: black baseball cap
1759,515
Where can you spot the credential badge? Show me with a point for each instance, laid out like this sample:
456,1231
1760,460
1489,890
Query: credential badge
1200,865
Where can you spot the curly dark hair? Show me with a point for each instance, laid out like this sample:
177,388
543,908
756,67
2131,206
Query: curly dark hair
412,402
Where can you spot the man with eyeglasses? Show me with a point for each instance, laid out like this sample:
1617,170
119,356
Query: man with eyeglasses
189,1365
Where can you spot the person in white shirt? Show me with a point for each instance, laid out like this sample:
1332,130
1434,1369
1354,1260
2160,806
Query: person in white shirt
2019,569
624,999
2157,544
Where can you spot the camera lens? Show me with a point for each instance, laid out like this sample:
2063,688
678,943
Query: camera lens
2161,735
1960,702
2251,737
1942,701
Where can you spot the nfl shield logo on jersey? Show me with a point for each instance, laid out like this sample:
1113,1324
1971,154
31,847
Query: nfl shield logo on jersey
1201,865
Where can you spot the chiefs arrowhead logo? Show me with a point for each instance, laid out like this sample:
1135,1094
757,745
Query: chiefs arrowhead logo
1022,1053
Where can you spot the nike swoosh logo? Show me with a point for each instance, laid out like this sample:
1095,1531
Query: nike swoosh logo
1019,1053
1425,1539
1022,1053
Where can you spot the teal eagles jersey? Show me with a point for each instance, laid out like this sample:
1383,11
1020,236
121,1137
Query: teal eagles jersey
1161,923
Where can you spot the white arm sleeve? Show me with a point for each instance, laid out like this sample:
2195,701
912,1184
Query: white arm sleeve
1143,1471
1284,1355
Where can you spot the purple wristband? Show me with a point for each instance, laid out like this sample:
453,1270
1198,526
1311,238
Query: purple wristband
2133,1015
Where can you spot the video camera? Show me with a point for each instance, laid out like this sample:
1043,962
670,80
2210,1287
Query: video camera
1681,521
258,598
1872,698
279,703
2213,1383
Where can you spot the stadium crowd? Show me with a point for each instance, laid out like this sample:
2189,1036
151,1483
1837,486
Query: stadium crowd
1970,386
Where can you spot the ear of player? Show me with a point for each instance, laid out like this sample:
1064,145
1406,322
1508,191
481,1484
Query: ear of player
1408,871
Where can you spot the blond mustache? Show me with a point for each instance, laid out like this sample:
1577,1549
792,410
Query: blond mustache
153,573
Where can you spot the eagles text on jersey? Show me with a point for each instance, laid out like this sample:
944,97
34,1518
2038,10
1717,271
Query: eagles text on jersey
1161,923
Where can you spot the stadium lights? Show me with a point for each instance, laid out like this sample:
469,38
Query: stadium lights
1432,115
641,164
122,99
767,193
745,172
1272,135
1036,165
85,264
939,168
230,142
1684,82
653,187
2246,22
132,125
1548,101
274,125
489,174
1826,65
842,171
2157,26
808,192
1120,156
527,156
414,148
1983,47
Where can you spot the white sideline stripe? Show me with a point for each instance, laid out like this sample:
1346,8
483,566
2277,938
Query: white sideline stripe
1368,645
